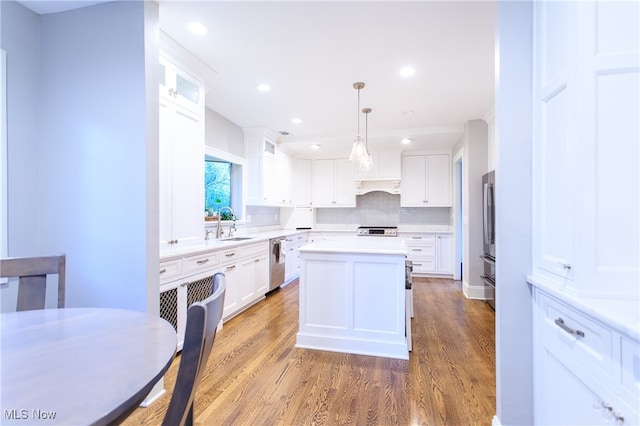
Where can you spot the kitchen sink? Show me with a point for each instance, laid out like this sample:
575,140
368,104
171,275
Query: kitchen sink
238,239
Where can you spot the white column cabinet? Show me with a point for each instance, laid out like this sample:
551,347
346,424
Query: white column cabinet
426,181
333,183
181,156
262,167
585,168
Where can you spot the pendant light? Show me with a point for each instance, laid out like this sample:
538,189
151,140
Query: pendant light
366,161
358,148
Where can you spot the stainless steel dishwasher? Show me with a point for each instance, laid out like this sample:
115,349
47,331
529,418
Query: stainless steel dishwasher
277,252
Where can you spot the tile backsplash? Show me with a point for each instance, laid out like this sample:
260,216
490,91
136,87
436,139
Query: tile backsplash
382,209
263,216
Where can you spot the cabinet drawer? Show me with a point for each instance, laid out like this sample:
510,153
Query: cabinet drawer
200,262
577,338
230,255
170,269
427,250
423,266
255,250
417,239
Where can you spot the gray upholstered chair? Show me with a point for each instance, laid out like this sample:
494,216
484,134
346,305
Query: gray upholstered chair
202,321
32,275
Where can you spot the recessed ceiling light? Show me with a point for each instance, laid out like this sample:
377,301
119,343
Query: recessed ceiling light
406,141
315,146
407,71
198,28
296,121
264,87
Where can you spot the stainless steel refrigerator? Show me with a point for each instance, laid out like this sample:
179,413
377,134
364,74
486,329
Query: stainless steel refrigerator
489,232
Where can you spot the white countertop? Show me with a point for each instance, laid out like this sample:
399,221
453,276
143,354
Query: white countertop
369,244
358,245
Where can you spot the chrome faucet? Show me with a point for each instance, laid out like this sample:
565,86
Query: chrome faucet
219,230
207,234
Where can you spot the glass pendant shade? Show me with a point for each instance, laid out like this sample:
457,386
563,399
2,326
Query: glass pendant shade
358,149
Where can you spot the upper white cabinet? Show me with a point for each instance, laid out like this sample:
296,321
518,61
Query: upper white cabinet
585,167
333,184
426,181
263,176
181,154
180,87
386,166
302,182
285,182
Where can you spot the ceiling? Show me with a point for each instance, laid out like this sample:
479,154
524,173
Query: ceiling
311,53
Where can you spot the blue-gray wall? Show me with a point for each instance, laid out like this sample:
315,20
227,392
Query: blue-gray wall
83,146
514,360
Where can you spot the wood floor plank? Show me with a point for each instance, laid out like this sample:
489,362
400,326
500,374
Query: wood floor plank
256,375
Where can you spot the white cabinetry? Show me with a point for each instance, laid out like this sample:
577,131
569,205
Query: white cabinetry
586,178
386,170
181,155
263,176
292,259
585,373
444,253
284,184
333,184
247,272
302,182
431,253
426,181
183,282
189,279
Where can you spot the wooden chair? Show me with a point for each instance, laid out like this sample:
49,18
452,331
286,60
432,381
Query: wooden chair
202,321
32,278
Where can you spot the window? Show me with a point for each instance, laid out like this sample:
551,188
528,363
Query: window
217,186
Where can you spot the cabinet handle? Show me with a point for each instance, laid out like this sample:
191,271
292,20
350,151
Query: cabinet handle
416,238
230,254
416,249
560,323
566,266
202,262
231,267
162,271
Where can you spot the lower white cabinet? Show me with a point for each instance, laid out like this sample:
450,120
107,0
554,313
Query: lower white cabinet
186,280
177,296
431,253
247,271
585,372
444,253
292,258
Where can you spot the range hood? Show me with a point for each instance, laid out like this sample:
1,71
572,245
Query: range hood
391,186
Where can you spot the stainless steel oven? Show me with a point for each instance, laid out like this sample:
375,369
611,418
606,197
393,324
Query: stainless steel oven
377,231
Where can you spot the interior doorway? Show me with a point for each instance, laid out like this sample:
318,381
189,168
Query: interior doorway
458,259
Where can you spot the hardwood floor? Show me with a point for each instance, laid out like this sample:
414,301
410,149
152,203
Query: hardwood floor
255,375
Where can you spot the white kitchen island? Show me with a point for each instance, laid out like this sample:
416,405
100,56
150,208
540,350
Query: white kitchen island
352,296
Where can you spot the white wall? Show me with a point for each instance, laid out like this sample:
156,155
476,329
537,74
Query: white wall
513,130
473,146
84,154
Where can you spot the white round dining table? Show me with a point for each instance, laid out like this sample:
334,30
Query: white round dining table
80,366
